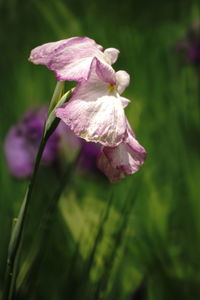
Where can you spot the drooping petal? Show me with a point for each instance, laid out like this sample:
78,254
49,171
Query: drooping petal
113,174
100,120
111,55
49,53
126,158
123,80
70,59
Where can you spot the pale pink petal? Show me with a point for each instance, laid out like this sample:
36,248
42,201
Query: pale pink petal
93,87
95,119
113,174
124,101
70,59
123,80
105,72
126,158
43,54
129,156
75,71
94,113
111,55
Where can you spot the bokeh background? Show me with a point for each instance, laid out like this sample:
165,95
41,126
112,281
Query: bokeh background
140,238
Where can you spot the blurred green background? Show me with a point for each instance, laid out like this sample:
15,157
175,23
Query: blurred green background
139,239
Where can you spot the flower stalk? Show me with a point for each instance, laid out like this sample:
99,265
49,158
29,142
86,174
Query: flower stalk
17,233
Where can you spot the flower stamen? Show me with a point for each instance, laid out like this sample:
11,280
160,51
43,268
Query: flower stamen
111,88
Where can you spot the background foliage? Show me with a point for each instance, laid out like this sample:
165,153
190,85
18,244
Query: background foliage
138,239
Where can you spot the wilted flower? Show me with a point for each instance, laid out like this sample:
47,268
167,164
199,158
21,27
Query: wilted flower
126,158
95,111
71,59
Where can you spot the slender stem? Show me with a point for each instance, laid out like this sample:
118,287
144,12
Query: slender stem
17,233
16,237
49,216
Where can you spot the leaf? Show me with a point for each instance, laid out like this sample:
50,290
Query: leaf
52,121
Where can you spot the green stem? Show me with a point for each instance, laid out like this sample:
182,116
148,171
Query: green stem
16,237
50,215
17,233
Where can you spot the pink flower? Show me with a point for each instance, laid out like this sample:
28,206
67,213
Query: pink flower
96,109
126,158
71,59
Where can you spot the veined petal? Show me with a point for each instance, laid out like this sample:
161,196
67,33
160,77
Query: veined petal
94,113
70,59
113,174
111,55
75,71
43,54
105,72
126,158
94,87
123,80
95,119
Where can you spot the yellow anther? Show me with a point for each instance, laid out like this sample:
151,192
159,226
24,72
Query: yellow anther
111,88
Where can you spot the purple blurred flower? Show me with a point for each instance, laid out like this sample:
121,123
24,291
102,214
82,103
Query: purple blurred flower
190,45
22,142
193,53
71,59
89,154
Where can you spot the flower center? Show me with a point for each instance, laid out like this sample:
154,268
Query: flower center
111,88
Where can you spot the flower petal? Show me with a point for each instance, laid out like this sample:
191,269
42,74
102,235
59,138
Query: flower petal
124,101
129,156
94,112
113,174
70,59
111,55
75,71
123,80
126,158
105,72
96,119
